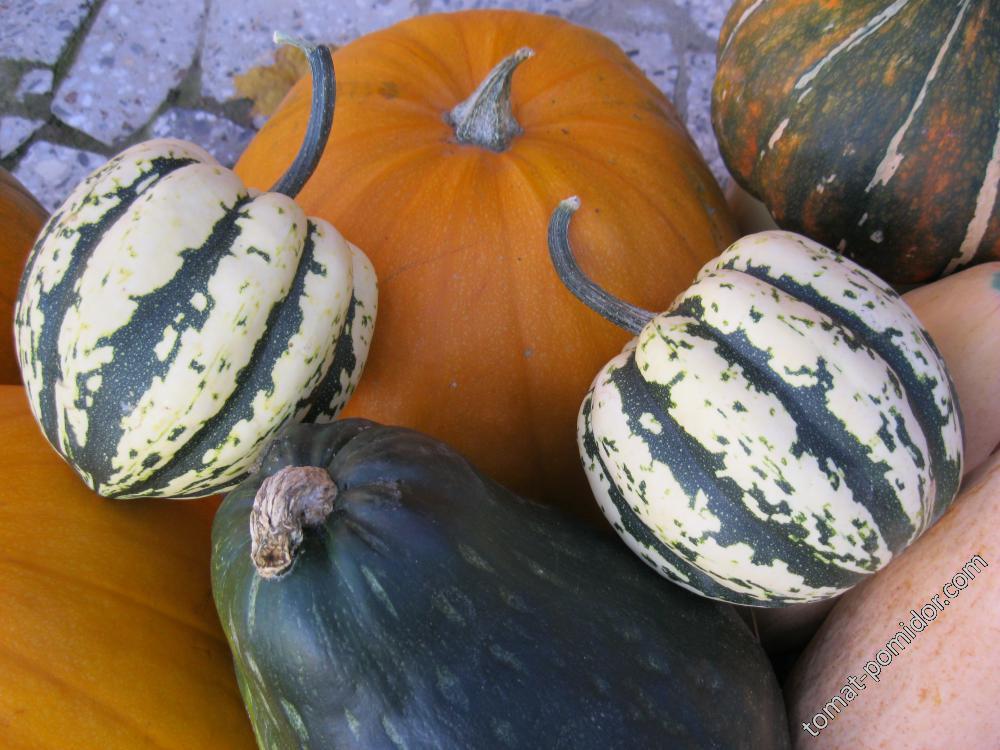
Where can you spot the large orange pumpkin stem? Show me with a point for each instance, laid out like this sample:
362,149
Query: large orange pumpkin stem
294,497
485,118
324,97
619,312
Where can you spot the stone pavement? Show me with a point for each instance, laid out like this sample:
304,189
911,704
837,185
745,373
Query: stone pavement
82,79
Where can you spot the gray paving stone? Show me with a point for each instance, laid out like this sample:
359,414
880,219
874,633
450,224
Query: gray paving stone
34,82
221,137
51,171
639,26
564,8
137,50
700,67
707,14
14,131
135,53
238,32
653,52
642,28
38,31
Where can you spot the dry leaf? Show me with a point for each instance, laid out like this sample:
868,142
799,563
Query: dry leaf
266,85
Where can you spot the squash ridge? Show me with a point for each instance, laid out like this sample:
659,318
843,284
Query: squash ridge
945,473
284,319
89,236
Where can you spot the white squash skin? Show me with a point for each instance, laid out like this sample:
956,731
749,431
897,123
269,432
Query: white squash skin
962,314
666,353
941,692
262,269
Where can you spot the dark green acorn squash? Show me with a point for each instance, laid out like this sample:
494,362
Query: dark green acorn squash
424,606
871,126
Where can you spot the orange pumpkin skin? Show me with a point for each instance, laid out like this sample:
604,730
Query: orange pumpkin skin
961,312
21,219
108,638
478,343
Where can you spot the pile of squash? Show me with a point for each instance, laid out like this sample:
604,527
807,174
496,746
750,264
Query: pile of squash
376,337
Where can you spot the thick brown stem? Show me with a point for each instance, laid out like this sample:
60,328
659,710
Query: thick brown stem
485,118
295,497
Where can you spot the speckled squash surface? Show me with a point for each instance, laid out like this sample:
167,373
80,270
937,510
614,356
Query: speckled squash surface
432,608
169,321
780,433
962,315
872,126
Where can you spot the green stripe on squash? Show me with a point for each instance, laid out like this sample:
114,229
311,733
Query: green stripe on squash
168,321
782,431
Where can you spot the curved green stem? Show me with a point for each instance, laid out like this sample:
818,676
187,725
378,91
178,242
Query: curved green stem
619,312
324,96
485,118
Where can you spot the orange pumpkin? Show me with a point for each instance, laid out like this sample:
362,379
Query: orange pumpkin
21,218
478,343
108,637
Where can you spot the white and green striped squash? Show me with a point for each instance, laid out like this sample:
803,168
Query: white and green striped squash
169,320
782,431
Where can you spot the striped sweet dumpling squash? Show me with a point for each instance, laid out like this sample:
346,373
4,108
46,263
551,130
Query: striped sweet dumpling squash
782,431
170,320
871,126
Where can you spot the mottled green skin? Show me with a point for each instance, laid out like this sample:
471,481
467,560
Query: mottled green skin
870,126
434,609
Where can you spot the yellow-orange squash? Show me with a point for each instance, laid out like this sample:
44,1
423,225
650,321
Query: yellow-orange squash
21,218
108,634
961,312
478,343
919,641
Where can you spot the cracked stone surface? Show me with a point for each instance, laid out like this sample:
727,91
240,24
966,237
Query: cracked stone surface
38,31
223,138
253,23
14,131
51,171
135,53
707,14
35,82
